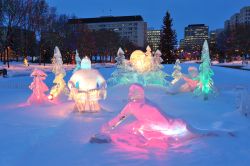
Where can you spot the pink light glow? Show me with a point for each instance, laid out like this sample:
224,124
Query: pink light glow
142,126
38,87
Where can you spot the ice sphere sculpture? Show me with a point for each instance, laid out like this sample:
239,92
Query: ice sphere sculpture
142,68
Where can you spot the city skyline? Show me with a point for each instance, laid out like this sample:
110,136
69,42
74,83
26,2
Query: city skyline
182,12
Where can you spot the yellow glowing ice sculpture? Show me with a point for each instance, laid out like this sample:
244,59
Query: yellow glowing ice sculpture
142,62
25,62
60,86
87,87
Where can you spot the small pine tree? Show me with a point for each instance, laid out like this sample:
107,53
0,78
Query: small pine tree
148,51
120,58
58,70
148,61
78,62
168,39
177,72
205,84
57,62
158,60
38,87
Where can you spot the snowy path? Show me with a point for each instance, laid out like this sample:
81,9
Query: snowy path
54,135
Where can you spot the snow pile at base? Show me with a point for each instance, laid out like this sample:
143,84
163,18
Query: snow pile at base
55,135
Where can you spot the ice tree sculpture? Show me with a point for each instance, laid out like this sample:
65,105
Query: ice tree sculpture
141,68
87,87
148,60
177,75
25,62
141,124
205,84
38,87
120,59
78,62
158,60
123,74
60,86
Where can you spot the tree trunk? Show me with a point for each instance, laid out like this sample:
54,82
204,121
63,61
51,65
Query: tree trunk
40,56
8,57
44,59
206,97
4,57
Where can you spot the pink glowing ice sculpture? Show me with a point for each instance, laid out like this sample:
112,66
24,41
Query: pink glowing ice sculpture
141,124
38,87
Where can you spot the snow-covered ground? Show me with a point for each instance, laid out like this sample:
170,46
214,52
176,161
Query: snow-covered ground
55,135
238,64
17,69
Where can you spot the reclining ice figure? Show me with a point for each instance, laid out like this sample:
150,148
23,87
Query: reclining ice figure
142,124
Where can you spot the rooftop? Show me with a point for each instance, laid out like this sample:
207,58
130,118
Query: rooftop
196,25
105,19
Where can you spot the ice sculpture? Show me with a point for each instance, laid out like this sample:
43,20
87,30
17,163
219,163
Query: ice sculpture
142,124
190,79
78,62
177,72
25,62
186,83
87,87
142,68
60,86
158,60
38,87
205,84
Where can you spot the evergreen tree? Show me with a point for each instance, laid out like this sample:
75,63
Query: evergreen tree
205,84
168,39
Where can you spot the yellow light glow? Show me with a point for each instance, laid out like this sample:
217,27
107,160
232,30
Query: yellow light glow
58,88
25,62
141,62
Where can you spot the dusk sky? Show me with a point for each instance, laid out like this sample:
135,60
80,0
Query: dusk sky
210,12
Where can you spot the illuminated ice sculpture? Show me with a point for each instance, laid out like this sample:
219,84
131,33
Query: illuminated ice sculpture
142,124
142,68
205,81
25,62
78,62
87,87
38,87
177,75
190,79
60,86
186,83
